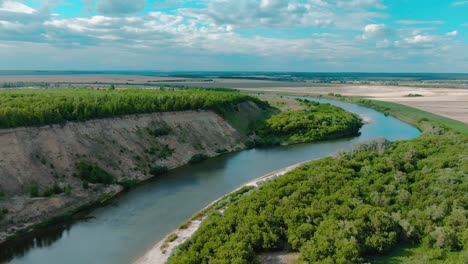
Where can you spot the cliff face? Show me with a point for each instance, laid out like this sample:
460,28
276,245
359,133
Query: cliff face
125,147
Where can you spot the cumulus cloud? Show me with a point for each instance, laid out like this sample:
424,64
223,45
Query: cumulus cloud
286,14
420,39
120,7
264,13
15,7
377,31
216,29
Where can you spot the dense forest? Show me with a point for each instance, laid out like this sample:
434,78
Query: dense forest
348,208
33,107
315,122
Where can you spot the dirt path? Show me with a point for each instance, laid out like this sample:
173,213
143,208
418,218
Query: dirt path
161,251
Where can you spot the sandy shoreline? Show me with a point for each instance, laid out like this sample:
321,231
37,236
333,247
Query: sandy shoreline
159,254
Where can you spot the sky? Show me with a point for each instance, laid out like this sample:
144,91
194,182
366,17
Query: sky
235,35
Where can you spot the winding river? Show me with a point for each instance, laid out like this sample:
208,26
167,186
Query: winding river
125,229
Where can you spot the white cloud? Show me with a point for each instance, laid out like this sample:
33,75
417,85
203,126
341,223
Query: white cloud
420,39
360,4
286,14
459,3
377,31
452,33
215,31
15,7
420,22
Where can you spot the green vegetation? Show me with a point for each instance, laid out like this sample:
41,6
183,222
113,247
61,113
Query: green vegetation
34,190
35,107
162,131
316,122
92,173
55,189
197,158
165,152
158,170
349,208
414,95
127,183
171,238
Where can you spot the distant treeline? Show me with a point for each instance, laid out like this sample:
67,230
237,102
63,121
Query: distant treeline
350,208
35,107
28,84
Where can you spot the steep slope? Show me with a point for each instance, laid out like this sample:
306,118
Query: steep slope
125,147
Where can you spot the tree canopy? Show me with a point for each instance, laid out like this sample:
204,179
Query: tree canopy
33,107
316,122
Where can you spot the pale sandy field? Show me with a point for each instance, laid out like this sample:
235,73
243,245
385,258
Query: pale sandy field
451,103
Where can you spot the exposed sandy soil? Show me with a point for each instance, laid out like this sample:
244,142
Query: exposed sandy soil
451,103
159,254
48,155
278,258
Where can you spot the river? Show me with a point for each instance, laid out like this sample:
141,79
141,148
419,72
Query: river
132,223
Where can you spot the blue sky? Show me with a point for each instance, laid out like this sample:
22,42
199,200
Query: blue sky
258,35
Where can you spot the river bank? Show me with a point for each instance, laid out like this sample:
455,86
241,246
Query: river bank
163,249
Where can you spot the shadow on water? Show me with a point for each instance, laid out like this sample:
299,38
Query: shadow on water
41,238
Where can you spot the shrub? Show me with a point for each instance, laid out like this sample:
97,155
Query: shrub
162,131
171,238
92,173
197,158
166,152
221,151
158,170
55,189
127,183
34,190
